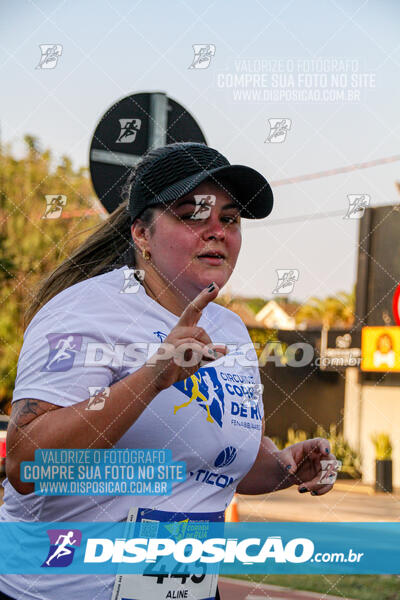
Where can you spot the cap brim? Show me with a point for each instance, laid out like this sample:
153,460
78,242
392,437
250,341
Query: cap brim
247,186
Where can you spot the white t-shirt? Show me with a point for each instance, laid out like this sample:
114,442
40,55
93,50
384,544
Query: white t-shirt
78,342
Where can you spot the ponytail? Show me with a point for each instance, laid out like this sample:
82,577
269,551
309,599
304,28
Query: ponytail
109,247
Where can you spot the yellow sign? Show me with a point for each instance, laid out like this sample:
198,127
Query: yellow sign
380,349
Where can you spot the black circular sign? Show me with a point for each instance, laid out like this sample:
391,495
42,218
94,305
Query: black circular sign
127,130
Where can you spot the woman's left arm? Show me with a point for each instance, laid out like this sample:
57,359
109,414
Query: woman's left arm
299,464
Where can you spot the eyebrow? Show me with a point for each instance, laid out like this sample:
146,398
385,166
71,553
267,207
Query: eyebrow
193,203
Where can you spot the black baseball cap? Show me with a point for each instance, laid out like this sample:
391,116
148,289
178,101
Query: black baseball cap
179,168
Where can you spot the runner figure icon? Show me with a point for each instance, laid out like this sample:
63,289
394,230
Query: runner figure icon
50,55
64,347
357,205
98,397
207,399
133,278
278,130
129,129
203,54
203,206
55,205
62,549
286,280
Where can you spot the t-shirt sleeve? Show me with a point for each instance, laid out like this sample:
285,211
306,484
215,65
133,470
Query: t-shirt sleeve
63,360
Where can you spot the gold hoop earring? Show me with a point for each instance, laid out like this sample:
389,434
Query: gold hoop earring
146,255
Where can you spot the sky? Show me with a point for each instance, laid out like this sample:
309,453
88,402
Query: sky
333,67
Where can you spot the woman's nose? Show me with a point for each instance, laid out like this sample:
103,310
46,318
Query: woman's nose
214,230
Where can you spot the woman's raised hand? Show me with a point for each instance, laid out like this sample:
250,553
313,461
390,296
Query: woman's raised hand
187,347
303,463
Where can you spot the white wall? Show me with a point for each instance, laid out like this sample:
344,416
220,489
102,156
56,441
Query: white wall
372,409
380,412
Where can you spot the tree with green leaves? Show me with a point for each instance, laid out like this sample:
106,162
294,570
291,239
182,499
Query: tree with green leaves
31,246
332,311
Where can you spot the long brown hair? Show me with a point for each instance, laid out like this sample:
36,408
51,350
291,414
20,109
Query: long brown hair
109,247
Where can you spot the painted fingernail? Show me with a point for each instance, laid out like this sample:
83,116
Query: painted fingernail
211,287
327,450
288,467
314,493
302,490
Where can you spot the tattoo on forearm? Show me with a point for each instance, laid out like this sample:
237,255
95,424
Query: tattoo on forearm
24,411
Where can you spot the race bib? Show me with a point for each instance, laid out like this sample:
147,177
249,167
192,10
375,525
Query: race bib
156,583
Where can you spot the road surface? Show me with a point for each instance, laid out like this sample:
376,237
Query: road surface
342,504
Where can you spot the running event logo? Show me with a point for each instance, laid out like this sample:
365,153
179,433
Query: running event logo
62,547
226,457
205,388
222,480
62,350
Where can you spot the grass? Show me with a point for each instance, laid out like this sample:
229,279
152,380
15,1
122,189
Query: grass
359,587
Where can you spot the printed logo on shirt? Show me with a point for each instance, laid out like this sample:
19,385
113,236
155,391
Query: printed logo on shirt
205,388
62,547
160,335
62,350
244,394
224,458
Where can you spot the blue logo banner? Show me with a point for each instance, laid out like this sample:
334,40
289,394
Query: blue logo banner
225,548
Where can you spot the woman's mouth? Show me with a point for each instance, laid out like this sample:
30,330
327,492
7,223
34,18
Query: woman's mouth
212,258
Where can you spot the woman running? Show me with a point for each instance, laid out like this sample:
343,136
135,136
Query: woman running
173,369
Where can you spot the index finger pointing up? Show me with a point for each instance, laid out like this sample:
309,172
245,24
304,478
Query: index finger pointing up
192,312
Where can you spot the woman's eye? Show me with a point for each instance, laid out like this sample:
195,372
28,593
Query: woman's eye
225,219
231,219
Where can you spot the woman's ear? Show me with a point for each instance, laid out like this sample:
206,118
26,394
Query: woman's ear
139,237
